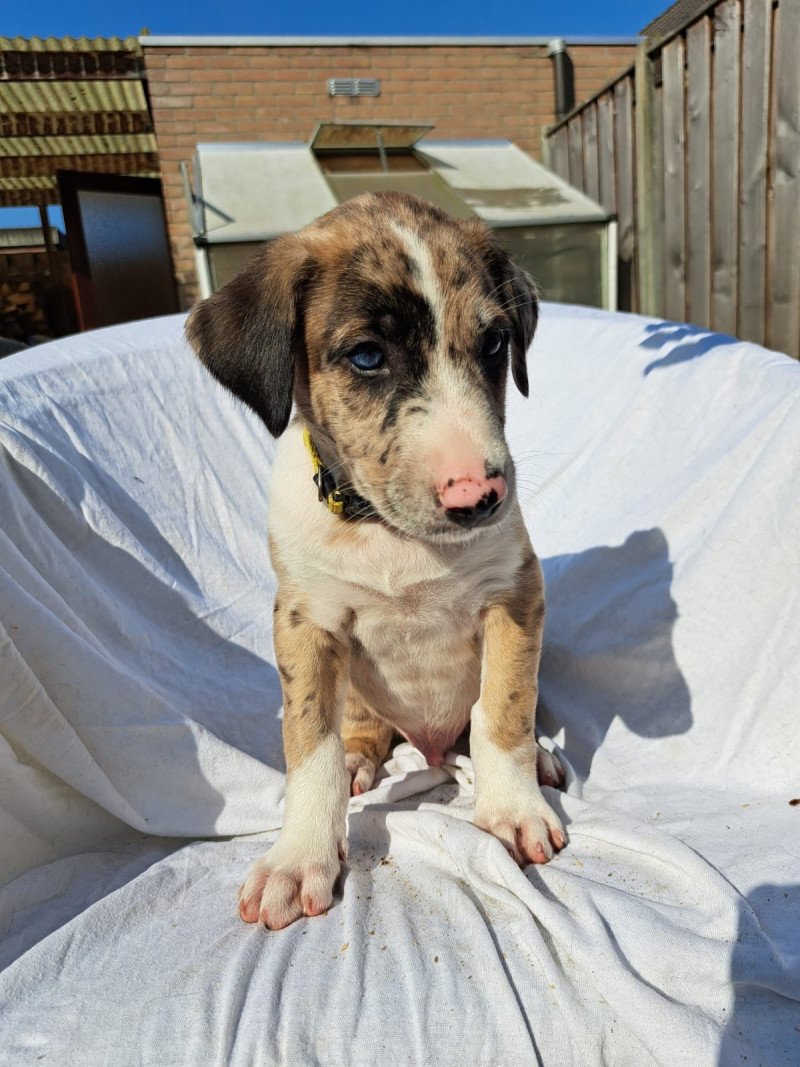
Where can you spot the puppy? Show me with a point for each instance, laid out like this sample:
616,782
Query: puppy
409,598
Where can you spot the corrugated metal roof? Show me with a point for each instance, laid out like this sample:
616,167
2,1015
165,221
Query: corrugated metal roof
70,44
90,145
73,124
70,103
21,184
66,96
68,57
27,237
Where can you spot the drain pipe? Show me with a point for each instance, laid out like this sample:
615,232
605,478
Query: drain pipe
564,75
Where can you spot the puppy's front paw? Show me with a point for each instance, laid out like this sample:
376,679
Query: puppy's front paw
527,826
286,884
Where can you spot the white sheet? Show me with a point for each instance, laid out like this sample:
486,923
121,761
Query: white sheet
140,713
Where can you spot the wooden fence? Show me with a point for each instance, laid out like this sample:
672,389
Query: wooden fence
697,150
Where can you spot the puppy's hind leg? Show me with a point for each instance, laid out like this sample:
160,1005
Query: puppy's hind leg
549,769
366,743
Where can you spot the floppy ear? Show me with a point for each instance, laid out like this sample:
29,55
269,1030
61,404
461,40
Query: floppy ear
521,300
516,291
248,334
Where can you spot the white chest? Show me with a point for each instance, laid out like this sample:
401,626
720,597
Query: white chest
413,609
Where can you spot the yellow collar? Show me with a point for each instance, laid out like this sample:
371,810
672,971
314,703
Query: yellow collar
349,505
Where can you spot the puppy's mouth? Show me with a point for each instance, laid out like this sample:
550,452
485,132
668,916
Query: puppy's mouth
479,514
427,520
452,509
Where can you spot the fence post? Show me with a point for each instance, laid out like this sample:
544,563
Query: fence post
648,195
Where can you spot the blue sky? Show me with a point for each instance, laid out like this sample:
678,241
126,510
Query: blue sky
585,18
513,17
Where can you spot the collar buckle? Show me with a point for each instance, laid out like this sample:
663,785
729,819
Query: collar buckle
327,490
335,502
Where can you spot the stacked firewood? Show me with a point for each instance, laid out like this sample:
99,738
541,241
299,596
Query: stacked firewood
21,310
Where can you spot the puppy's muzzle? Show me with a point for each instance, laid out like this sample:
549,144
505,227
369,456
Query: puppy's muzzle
472,500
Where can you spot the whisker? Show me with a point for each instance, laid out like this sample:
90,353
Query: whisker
512,305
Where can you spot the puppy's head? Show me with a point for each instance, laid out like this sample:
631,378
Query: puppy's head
391,326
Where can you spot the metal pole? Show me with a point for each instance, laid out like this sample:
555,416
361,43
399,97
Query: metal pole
52,262
382,152
564,76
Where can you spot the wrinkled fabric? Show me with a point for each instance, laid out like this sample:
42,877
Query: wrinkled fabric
141,768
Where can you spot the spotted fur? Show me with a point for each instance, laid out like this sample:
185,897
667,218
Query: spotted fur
403,622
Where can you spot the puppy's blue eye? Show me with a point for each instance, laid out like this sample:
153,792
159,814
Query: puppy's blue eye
366,358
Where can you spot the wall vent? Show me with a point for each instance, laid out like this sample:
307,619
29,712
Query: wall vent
354,87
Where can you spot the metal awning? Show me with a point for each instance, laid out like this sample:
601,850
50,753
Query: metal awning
506,187
252,191
249,192
70,104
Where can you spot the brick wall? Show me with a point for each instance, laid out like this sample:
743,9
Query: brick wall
261,93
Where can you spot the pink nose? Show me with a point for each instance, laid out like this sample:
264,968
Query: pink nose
472,491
